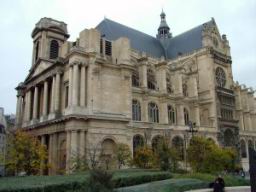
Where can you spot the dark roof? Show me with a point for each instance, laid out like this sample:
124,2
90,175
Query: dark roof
185,42
139,41
181,44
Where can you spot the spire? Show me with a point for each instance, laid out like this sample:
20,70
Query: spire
163,29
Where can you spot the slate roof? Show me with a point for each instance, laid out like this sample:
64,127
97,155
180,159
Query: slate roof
139,41
183,43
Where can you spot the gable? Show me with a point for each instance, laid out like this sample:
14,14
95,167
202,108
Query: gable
38,69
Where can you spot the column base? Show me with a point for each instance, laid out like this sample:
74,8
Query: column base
34,121
52,116
43,118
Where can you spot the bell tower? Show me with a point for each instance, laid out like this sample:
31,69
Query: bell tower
48,36
163,29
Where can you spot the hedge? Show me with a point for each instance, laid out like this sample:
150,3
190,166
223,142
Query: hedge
76,182
230,180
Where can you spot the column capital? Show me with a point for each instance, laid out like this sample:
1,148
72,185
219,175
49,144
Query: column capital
75,62
59,71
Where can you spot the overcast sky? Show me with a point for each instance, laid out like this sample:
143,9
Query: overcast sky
235,18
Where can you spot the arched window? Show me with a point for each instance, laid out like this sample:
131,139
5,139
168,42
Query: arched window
186,116
54,49
220,77
135,80
229,140
243,149
136,110
250,144
178,143
37,51
156,142
171,115
138,141
185,89
151,79
108,152
153,113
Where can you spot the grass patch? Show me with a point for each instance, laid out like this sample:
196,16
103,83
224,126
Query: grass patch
76,182
229,179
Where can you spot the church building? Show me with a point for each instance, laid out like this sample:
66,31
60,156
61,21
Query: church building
115,84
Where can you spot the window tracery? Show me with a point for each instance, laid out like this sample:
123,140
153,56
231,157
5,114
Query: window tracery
220,77
153,113
171,115
136,110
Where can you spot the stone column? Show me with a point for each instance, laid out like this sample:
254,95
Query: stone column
35,104
74,140
45,99
52,95
57,92
19,109
178,84
75,84
42,166
25,107
70,86
83,86
143,75
161,79
29,106
50,151
180,115
82,146
68,148
197,116
144,110
163,113
54,152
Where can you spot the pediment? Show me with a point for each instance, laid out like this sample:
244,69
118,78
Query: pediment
39,68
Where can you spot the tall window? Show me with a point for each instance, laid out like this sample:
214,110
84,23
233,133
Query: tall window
151,79
171,114
135,80
178,144
136,111
66,96
243,149
138,141
101,45
186,116
220,77
153,113
54,49
185,89
108,48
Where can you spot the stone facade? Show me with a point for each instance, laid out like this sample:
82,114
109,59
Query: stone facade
99,92
3,126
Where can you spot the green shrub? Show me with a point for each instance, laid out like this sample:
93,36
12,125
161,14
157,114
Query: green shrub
206,157
229,179
100,181
139,179
77,182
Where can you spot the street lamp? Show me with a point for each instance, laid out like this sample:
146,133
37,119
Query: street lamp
192,126
192,130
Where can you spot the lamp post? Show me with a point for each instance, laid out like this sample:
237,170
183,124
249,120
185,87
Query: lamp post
192,130
192,126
